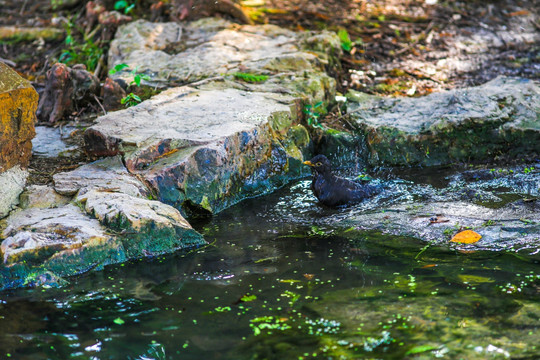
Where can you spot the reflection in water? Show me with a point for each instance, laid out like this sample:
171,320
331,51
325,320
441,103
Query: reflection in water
280,280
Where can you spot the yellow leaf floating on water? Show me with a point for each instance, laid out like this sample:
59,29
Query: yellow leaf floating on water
466,237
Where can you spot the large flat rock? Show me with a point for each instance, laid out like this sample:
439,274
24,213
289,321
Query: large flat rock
186,52
221,139
499,120
206,148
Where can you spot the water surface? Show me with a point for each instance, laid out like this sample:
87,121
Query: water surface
282,280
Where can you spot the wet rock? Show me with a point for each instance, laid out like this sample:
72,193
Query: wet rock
18,101
65,89
42,196
496,121
147,227
507,228
62,240
107,174
206,149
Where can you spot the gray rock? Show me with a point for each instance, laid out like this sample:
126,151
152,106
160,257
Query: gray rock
42,196
206,148
514,227
496,121
12,183
187,52
146,226
107,174
50,142
39,235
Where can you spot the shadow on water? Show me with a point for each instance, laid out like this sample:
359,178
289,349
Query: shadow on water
281,279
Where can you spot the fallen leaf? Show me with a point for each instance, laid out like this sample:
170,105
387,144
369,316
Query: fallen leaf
466,237
519,13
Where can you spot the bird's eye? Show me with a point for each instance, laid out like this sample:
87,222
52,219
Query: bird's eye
318,164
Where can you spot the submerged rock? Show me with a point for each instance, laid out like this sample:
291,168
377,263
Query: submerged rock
499,120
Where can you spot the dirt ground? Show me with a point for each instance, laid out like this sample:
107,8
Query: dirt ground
391,47
397,46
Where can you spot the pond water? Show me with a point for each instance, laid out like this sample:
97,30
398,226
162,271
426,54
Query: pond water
281,280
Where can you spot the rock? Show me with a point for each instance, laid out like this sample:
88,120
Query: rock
18,101
12,183
66,88
113,94
42,196
107,174
496,121
206,149
50,142
61,240
508,228
172,53
147,227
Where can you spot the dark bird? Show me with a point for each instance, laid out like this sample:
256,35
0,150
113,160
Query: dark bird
332,190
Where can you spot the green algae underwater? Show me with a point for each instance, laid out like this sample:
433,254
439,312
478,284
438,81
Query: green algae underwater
281,279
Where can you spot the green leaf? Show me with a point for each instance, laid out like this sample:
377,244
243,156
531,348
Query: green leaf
420,349
118,68
137,79
119,321
129,8
247,298
120,4
346,43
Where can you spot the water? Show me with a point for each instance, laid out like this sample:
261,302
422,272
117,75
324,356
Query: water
281,280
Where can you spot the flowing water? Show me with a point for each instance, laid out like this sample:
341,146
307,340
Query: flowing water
281,279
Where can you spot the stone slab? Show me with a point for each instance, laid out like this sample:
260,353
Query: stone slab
499,120
206,148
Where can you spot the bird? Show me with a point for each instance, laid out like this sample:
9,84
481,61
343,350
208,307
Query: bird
332,190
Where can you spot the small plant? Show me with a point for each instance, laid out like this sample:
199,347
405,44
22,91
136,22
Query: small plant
314,112
528,170
87,52
130,99
251,78
346,43
124,5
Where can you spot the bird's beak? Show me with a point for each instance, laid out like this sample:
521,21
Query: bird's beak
308,163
